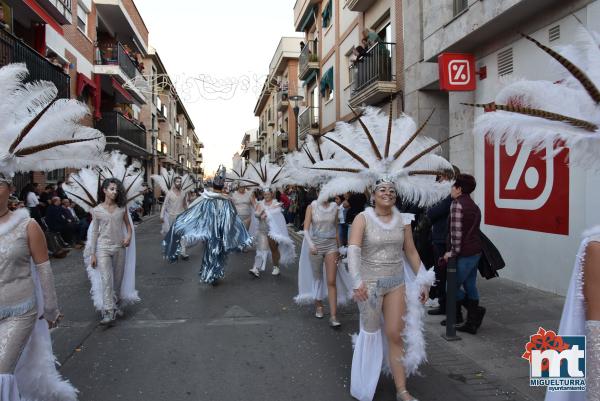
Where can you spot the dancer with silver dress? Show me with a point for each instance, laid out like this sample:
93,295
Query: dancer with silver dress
538,114
111,234
389,281
319,260
37,132
211,219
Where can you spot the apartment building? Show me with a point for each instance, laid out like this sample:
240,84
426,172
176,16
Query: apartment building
351,56
251,148
534,207
277,122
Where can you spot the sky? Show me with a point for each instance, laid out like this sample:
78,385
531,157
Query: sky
217,54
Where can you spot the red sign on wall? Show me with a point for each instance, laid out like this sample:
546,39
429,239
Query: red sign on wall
457,71
526,190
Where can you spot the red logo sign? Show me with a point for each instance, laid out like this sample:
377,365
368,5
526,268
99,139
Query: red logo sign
457,71
527,190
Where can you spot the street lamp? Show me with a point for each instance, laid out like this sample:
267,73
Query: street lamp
296,99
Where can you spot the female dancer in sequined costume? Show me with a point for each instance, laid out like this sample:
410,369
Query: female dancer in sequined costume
320,234
108,243
379,246
265,244
243,201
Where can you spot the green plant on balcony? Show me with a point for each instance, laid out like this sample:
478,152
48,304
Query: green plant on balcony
313,58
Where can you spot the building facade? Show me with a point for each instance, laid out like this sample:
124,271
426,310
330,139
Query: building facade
534,208
277,122
352,56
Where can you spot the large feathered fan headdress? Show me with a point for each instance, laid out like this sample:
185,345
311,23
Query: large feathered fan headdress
542,113
39,131
265,175
297,164
84,186
239,173
381,148
166,179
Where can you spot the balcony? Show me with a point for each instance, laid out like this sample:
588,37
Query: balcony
308,122
115,61
309,60
60,10
373,75
282,101
124,19
304,14
13,50
123,134
359,5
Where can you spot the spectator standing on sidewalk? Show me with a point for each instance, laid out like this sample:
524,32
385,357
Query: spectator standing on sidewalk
357,204
438,215
465,246
343,207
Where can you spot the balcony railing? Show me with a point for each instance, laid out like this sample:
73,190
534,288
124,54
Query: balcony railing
375,65
309,59
308,120
282,100
116,55
114,124
13,50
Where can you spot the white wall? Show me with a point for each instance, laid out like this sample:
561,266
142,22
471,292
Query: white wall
347,17
329,32
345,87
539,259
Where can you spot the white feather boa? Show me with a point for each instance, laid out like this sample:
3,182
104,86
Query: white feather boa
278,232
128,293
413,335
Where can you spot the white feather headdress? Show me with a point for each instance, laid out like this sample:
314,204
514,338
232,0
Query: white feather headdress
378,148
297,164
84,185
265,175
166,179
541,113
239,174
40,132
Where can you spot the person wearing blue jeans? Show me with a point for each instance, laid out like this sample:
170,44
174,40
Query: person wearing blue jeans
465,246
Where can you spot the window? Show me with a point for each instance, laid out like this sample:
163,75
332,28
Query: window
55,175
460,6
327,14
326,86
82,18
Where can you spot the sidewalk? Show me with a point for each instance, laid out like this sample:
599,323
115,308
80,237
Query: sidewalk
489,365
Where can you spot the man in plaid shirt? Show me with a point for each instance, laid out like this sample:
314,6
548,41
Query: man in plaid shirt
465,246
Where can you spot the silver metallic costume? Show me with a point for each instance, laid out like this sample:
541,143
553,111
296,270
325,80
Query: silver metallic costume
107,245
213,220
322,234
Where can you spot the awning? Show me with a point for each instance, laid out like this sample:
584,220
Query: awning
82,82
125,96
327,13
307,19
326,81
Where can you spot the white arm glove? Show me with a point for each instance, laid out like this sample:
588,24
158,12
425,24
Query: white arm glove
354,256
308,239
46,278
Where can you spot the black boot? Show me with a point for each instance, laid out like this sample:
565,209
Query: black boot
475,315
459,316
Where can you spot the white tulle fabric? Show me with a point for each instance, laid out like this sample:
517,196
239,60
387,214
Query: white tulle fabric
128,293
367,346
573,321
311,288
36,374
278,232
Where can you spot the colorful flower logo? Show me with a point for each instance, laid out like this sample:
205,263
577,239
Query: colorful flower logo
544,340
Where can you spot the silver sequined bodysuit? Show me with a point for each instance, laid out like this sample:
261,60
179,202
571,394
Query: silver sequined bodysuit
17,295
322,234
108,233
382,264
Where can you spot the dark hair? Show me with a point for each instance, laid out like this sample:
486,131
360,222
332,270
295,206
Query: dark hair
466,183
121,200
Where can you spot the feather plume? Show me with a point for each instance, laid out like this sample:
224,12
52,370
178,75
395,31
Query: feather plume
40,132
543,114
298,165
266,174
345,172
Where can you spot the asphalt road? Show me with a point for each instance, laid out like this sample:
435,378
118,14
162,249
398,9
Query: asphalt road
244,339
